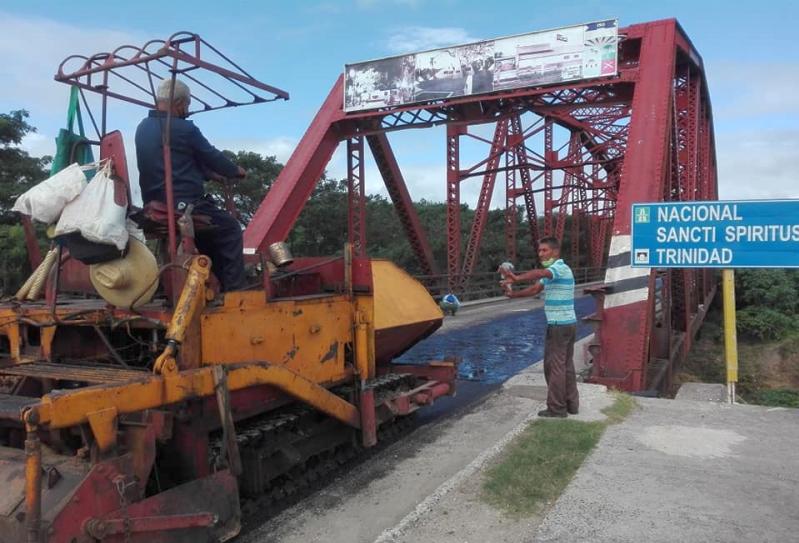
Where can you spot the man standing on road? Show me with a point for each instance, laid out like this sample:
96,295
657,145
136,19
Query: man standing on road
557,282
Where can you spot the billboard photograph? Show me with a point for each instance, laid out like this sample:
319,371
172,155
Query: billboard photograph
379,83
455,71
539,58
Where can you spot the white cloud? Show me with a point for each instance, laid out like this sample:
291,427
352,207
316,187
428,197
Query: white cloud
38,145
32,49
419,38
744,90
758,165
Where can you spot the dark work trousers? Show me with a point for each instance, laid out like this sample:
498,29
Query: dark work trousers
559,372
223,244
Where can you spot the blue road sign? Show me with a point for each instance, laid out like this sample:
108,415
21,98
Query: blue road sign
719,234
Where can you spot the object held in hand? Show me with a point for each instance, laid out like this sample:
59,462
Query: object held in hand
505,269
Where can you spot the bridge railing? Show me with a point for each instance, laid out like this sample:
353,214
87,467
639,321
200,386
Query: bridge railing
486,284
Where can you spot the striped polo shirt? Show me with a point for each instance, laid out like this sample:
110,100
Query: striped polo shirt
559,294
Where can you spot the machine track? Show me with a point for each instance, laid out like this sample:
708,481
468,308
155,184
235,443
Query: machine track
289,453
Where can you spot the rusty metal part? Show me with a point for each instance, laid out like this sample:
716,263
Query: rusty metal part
31,243
166,364
104,427
13,407
101,529
70,409
111,350
129,62
33,478
192,300
226,417
364,363
279,254
368,419
186,228
70,372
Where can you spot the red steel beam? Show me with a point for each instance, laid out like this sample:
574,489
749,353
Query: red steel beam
398,191
550,157
627,313
484,200
569,180
511,211
454,133
283,203
515,134
356,197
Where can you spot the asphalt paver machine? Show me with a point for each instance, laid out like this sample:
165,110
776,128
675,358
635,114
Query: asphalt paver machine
165,420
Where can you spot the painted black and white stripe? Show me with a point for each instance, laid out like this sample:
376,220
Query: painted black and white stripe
627,285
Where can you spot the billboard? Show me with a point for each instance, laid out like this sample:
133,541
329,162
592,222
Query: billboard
539,58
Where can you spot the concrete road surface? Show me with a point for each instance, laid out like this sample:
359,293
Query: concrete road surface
686,471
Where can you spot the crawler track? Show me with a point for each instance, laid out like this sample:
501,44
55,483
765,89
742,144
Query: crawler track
292,452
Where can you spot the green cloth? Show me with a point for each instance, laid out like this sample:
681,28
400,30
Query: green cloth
72,147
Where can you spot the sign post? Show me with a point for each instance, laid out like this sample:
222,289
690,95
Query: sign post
717,234
730,337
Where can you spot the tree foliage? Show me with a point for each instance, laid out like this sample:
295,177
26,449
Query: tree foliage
247,193
767,303
18,172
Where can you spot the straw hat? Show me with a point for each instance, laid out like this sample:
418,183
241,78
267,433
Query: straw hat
133,278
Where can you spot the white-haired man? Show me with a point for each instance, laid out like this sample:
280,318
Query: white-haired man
193,160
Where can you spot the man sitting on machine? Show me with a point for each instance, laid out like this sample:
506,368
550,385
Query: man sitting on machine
194,159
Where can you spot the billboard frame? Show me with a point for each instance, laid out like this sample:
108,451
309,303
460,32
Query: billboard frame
407,75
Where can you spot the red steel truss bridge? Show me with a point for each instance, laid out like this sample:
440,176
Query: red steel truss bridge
645,134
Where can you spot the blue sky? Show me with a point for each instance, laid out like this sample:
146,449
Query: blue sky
750,52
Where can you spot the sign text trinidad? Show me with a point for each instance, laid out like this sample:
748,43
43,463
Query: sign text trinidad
720,234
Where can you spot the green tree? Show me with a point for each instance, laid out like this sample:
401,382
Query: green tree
767,302
775,289
321,228
18,172
248,193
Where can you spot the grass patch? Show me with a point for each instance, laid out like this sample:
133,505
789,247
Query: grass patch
543,459
623,405
782,397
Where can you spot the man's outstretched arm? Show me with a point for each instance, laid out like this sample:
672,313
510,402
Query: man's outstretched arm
212,158
532,290
531,275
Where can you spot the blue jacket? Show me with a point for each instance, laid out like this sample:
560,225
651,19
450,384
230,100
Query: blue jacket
192,156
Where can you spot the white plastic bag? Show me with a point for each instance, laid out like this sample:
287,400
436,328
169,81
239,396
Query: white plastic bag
46,201
134,231
95,214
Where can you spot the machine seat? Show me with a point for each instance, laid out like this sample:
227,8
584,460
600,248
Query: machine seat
152,219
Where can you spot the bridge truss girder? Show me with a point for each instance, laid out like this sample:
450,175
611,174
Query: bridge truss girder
583,150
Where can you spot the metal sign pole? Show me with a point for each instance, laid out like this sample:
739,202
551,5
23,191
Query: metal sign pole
730,338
